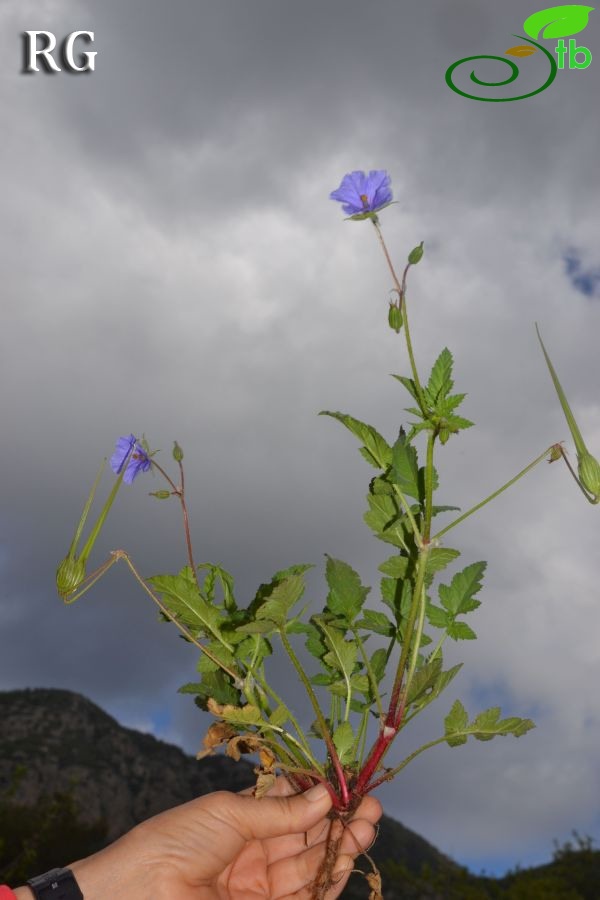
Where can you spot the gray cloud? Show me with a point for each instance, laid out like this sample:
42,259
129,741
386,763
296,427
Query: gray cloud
171,264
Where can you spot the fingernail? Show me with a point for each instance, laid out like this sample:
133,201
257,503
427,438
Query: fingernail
316,793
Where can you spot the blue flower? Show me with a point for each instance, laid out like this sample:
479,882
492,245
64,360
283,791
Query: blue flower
362,195
130,452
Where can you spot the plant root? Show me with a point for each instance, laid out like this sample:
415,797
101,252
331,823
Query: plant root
325,879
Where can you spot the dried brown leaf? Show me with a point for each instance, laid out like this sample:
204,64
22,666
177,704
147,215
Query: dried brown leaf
218,733
242,743
264,783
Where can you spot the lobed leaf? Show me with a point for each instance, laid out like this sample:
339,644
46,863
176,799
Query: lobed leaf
346,592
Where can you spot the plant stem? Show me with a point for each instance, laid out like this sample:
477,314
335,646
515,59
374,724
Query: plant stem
400,289
180,494
393,772
121,554
494,495
335,760
429,486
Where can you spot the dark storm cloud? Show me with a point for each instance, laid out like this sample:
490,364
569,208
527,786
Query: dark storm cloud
171,264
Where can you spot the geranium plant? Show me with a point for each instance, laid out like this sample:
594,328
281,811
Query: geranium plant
375,664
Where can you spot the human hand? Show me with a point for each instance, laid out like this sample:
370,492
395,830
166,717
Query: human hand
226,846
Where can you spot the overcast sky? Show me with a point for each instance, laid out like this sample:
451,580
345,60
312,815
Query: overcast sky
172,265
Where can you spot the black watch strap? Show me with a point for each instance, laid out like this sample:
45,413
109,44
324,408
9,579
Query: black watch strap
57,884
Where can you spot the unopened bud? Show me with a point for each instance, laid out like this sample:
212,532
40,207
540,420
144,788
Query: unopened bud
69,576
395,317
416,255
177,452
589,473
160,495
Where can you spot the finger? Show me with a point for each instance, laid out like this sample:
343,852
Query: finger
278,848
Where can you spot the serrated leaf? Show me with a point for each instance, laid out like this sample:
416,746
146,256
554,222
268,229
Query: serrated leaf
378,622
521,50
410,387
424,679
557,21
405,469
236,715
262,626
205,664
181,596
279,716
216,685
343,739
484,727
343,653
396,566
436,616
488,725
346,592
384,518
226,581
457,597
440,381
455,725
378,663
284,595
374,443
438,558
460,631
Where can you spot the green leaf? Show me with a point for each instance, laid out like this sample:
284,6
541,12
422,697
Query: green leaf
241,715
410,387
385,519
274,601
181,596
455,724
460,631
440,381
346,592
378,450
484,727
264,626
438,558
405,469
378,663
343,739
376,621
424,679
457,597
205,664
279,716
343,653
437,617
557,21
216,685
396,566
226,582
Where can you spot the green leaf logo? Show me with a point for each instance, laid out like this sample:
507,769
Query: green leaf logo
557,21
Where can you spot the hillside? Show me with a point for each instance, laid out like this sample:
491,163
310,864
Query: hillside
72,779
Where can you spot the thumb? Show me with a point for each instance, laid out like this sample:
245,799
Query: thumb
276,816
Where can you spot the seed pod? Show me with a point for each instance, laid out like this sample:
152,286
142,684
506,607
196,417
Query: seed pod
416,255
177,452
69,575
395,317
589,473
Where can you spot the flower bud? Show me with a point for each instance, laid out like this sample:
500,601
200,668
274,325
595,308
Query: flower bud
177,452
395,317
589,473
69,576
161,495
416,255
